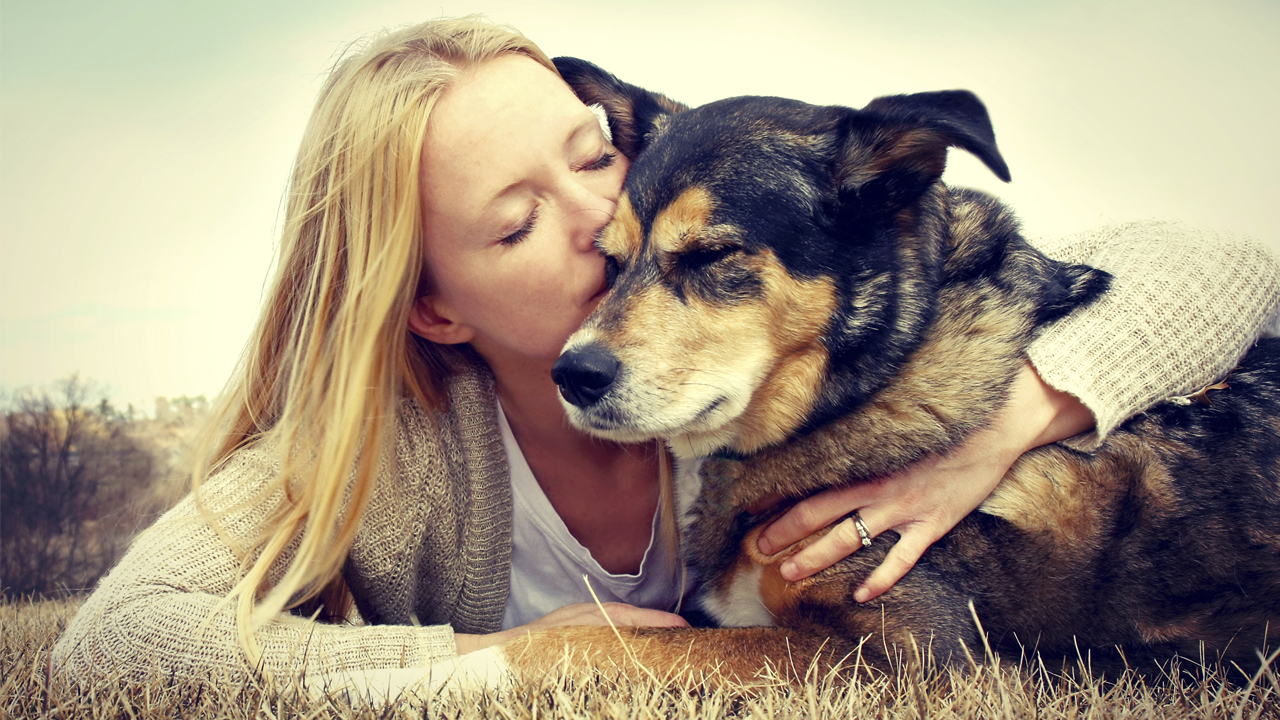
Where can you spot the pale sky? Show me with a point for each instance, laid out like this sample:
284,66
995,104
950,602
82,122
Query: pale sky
145,144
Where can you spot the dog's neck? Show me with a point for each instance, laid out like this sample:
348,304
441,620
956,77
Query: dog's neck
950,385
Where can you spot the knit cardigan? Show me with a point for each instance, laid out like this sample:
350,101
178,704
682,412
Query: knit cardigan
433,552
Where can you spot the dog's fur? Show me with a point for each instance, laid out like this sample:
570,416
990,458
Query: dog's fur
797,297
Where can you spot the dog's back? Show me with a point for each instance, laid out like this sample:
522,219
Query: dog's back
1165,537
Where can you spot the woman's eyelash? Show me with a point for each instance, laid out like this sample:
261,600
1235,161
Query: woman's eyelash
605,161
524,230
600,163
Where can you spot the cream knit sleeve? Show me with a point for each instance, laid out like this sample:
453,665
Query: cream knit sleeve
159,611
1184,306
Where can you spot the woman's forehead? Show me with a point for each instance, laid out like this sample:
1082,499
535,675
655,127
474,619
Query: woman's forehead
498,125
508,94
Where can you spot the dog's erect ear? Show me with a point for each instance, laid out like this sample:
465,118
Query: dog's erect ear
635,114
896,146
1069,287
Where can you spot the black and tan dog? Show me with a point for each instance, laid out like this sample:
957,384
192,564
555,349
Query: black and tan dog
797,297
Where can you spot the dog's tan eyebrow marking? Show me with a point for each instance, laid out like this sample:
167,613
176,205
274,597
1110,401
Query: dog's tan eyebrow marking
622,237
678,225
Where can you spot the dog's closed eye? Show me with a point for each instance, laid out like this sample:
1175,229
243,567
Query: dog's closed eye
704,256
611,269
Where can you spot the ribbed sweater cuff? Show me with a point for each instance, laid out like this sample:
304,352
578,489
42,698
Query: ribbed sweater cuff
1184,307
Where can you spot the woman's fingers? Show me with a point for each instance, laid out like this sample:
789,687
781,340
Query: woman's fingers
901,558
632,616
812,514
615,613
620,614
842,541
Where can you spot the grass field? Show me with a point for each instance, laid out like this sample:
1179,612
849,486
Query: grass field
992,690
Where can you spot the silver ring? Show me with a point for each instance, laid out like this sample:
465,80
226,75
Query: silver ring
863,532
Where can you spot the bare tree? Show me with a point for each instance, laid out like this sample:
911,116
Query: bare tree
68,468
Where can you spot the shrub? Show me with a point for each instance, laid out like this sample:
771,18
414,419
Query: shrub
70,470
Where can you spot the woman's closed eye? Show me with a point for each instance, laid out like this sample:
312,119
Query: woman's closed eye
605,160
524,230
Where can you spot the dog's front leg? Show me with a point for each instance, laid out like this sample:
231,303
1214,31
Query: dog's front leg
684,657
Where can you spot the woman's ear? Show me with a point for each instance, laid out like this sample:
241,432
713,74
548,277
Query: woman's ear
428,323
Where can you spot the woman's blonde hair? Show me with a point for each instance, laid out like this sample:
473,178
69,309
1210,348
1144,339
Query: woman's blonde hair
332,352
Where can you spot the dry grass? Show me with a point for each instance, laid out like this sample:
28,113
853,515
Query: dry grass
986,691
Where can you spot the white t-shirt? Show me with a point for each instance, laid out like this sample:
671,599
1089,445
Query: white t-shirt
548,564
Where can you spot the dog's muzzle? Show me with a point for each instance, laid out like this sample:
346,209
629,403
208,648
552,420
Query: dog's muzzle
584,374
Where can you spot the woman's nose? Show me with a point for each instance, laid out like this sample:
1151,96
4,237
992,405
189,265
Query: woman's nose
587,213
591,198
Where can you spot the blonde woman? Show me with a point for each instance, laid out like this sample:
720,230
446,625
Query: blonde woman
393,437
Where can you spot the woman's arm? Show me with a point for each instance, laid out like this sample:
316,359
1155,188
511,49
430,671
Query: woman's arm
159,610
1184,307
926,500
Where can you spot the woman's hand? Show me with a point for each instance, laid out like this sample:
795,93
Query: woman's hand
621,614
926,500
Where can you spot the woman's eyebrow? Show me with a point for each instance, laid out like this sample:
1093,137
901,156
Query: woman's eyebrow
589,122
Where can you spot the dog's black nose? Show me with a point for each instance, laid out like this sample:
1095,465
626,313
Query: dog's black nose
584,374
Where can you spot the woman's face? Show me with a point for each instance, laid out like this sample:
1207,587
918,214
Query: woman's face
517,182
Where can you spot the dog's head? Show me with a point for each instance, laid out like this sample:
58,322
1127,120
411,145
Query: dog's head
763,249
